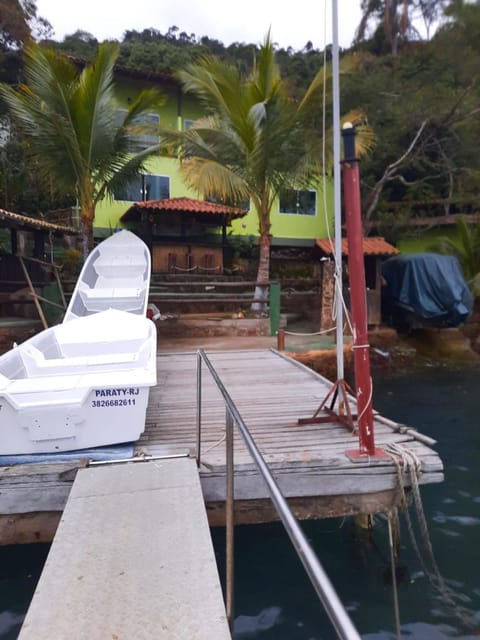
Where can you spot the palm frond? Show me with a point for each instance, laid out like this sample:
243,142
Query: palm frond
94,118
210,178
70,119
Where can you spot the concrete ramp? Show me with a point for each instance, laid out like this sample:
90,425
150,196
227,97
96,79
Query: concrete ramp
132,558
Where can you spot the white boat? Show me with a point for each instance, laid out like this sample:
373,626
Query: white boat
79,384
85,382
116,275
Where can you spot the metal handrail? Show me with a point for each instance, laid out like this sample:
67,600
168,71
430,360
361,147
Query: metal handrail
319,579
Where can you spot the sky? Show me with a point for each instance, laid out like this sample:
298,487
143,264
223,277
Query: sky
292,23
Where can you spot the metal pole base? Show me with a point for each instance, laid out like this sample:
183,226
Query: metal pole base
356,455
338,391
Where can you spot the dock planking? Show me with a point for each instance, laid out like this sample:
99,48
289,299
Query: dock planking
271,391
309,462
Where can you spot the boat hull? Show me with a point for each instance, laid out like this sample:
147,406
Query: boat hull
80,384
100,419
116,275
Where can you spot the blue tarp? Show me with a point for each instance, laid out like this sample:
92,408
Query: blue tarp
113,452
427,288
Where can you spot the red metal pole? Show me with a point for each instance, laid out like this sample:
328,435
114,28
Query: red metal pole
358,298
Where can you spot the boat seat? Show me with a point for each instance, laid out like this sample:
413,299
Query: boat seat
37,365
123,266
108,288
12,366
114,292
73,349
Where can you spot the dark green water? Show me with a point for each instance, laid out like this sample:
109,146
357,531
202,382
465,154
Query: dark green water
20,568
275,601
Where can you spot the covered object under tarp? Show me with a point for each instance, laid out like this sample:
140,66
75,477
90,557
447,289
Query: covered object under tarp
425,290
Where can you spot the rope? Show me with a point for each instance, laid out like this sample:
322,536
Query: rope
337,291
186,269
407,462
315,333
396,606
215,444
367,404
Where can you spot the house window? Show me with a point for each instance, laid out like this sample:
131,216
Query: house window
303,203
144,187
147,134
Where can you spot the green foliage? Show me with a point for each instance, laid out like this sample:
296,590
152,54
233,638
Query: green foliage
14,24
435,82
392,225
291,270
465,246
395,78
18,21
256,138
81,44
243,246
21,188
69,119
71,263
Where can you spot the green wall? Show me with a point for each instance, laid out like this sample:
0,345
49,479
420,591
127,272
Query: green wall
286,228
292,226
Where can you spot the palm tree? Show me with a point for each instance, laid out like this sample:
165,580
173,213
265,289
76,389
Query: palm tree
465,246
255,139
70,119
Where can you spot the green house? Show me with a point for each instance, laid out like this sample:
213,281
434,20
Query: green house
298,218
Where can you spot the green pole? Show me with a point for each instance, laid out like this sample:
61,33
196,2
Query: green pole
274,307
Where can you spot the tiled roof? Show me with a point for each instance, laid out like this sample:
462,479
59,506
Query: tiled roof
18,221
371,246
182,205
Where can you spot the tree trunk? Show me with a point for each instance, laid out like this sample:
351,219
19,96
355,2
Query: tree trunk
263,273
88,215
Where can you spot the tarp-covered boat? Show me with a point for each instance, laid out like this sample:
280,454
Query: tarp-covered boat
85,382
425,290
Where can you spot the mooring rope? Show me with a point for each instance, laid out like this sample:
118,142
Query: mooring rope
407,462
215,444
396,606
315,333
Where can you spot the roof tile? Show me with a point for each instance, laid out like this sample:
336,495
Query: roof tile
19,220
371,246
183,205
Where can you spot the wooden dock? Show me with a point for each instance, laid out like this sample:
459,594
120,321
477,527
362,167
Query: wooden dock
132,558
309,462
271,392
